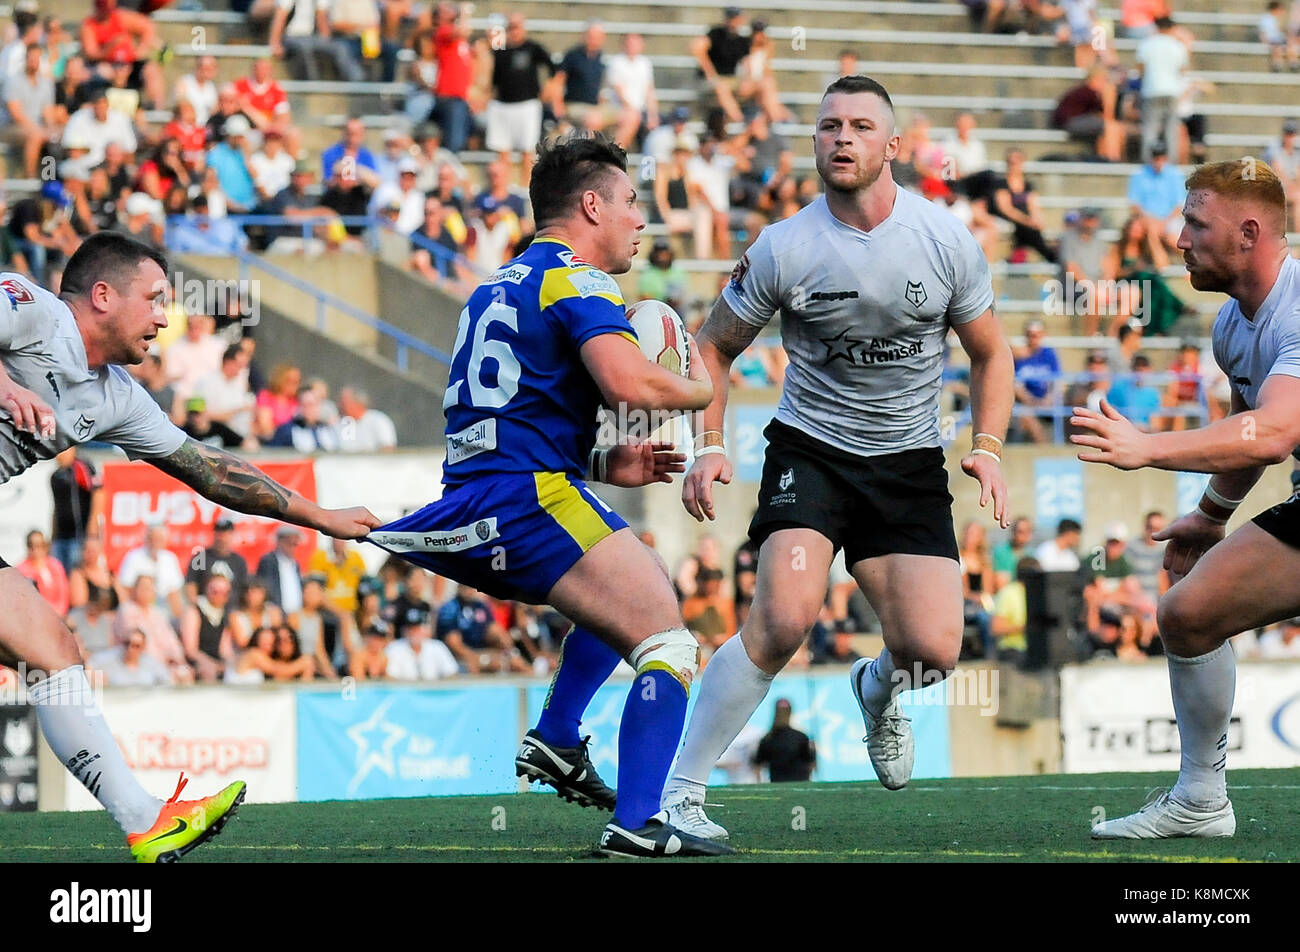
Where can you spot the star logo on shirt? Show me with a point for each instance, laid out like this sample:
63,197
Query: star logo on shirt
840,346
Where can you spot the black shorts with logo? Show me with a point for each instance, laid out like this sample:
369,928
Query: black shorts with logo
1282,521
896,503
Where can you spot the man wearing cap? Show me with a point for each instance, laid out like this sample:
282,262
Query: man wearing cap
229,159
271,166
1163,61
1080,256
719,52
408,199
279,570
415,655
27,114
1284,158
1038,379
1156,191
670,134
220,558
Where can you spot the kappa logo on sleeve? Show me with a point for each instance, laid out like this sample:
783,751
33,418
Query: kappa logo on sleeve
738,273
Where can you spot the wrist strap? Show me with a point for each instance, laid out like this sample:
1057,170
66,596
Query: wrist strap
598,465
980,451
1221,500
706,450
986,436
1214,519
706,439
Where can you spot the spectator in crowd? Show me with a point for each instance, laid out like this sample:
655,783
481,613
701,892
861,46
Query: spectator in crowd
41,231
1274,32
1135,263
293,662
163,171
202,233
432,157
663,280
197,355
422,77
122,96
1009,552
210,189
408,199
514,115
92,578
456,68
1163,61
756,86
150,374
143,219
320,631
1011,614
977,582
97,206
264,102
343,568
355,33
1090,391
1059,554
921,163
46,573
397,147
761,365
271,166
744,578
109,30
300,33
295,201
719,53
1183,393
496,233
1082,259
415,655
631,80
17,36
371,660
669,136
200,426
279,570
1136,395
351,173
764,160
362,428
1147,557
1079,28
141,613
94,126
580,79
230,160
11,259
265,659
512,197
221,559
278,403
1017,202
1156,191
308,431
27,113
466,626
227,109
70,92
710,613
199,89
78,500
129,665
154,559
788,754
1117,587
708,185
1284,158
447,270
1137,17
92,625
707,554
1088,112
672,194
226,394
1037,382
964,152
255,611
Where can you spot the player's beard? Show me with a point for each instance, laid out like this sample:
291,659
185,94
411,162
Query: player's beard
866,177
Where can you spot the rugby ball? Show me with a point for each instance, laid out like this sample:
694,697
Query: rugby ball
661,333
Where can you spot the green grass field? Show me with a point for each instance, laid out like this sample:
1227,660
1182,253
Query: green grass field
1000,819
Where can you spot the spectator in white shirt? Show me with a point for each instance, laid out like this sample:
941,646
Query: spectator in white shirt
130,666
966,153
153,558
225,393
194,356
363,429
417,655
271,166
94,126
708,185
404,194
1162,59
280,572
631,78
1059,555
199,89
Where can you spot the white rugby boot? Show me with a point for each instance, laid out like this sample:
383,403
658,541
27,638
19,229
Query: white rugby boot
1164,817
890,743
684,802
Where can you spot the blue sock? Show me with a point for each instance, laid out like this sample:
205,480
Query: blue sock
647,741
586,663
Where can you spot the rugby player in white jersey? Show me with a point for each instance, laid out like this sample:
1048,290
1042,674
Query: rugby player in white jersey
1234,241
61,384
868,280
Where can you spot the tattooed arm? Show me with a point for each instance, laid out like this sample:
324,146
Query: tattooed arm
238,484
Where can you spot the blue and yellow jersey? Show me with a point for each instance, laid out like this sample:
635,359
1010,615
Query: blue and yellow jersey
519,399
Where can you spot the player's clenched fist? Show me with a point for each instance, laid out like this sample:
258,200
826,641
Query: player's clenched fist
697,488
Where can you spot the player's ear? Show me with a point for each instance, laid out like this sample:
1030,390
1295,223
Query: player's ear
101,295
591,205
892,146
1250,231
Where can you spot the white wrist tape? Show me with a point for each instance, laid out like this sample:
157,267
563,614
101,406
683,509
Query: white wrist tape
1221,500
1201,510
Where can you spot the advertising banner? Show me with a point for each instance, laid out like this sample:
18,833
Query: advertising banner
18,776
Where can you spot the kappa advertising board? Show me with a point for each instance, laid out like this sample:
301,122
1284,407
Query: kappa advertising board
407,742
215,734
1117,717
138,494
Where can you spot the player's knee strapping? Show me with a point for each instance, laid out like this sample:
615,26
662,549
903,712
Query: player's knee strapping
675,651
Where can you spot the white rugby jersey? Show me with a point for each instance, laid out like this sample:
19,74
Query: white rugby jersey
42,350
863,318
1249,351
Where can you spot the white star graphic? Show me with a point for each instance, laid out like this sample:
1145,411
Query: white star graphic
382,755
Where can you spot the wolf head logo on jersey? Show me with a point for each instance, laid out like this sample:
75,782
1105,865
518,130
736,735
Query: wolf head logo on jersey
916,295
83,427
18,738
787,479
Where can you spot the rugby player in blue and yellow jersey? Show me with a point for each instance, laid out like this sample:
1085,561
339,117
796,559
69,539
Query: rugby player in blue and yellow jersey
542,344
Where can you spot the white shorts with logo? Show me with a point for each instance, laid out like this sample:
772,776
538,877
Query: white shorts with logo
513,126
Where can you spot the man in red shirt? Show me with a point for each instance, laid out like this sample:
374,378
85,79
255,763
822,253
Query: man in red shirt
193,137
265,103
455,75
108,30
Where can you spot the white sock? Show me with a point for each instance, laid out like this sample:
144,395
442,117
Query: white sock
76,731
878,684
1203,689
730,691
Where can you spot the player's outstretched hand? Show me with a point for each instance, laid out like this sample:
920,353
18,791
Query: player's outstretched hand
1115,438
697,487
643,463
352,523
1189,537
30,413
993,485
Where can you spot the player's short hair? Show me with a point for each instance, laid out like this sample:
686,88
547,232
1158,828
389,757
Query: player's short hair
1248,179
860,84
568,166
107,256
